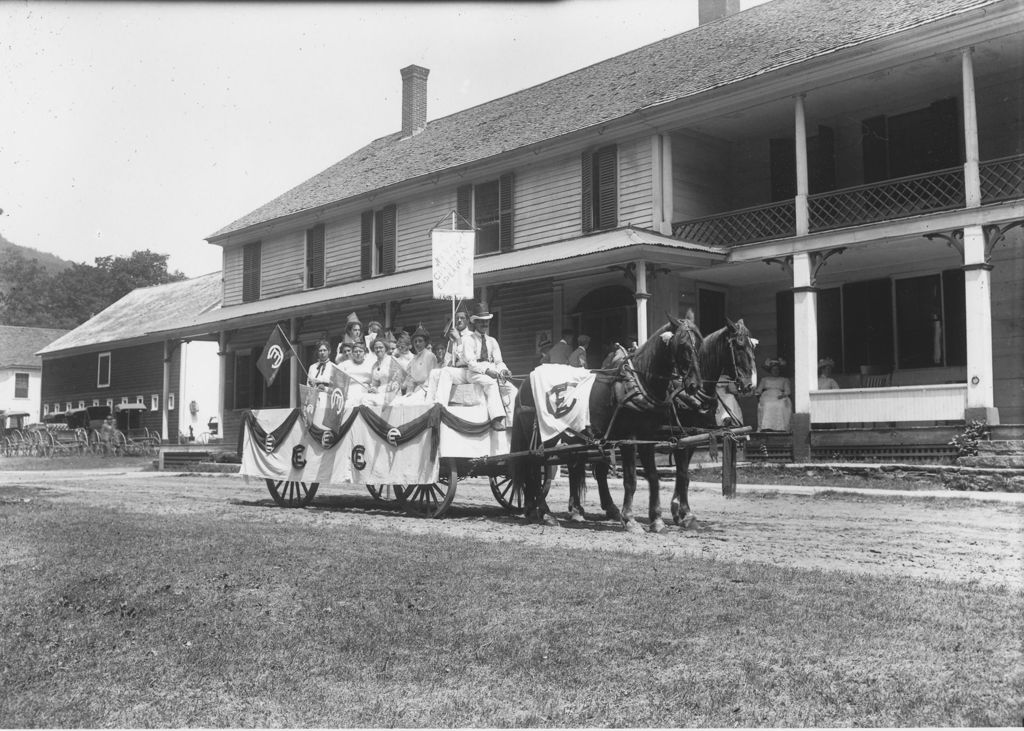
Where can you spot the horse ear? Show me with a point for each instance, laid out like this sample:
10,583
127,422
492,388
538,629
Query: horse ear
676,322
730,324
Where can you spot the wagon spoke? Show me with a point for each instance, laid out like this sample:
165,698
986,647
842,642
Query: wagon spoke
292,494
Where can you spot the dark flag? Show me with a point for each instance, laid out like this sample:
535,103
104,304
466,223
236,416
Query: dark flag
275,353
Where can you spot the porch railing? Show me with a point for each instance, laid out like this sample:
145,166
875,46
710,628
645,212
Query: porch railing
935,402
940,190
760,223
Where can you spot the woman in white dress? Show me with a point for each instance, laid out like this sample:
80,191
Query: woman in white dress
775,406
825,380
728,412
417,374
358,369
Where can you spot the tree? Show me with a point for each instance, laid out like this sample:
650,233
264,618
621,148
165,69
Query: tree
31,297
24,291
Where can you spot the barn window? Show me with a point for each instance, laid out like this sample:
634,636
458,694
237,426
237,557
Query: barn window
103,370
489,208
600,189
251,256
315,257
378,242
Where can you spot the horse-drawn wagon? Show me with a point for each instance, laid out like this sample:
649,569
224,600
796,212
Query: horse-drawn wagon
413,455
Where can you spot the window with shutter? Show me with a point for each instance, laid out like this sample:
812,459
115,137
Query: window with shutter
600,189
251,255
379,242
315,257
489,209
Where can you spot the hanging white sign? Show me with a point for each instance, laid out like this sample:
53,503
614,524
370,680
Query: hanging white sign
452,257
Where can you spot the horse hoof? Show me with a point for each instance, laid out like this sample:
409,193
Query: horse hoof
689,521
658,526
614,515
550,521
576,516
633,527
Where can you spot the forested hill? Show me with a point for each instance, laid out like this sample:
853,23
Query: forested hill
50,262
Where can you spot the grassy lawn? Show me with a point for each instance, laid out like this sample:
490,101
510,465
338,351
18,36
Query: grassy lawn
126,620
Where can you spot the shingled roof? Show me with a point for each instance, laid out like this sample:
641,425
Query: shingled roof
756,41
143,311
18,345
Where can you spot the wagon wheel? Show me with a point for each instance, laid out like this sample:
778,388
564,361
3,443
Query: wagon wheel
291,494
389,494
510,495
432,501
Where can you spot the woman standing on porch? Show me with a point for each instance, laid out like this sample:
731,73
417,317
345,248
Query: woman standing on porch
774,407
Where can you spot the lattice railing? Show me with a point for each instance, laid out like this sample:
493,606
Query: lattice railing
940,190
760,223
1002,179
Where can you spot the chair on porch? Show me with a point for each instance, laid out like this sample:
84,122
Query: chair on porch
875,377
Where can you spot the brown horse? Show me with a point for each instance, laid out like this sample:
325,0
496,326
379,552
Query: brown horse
630,405
728,351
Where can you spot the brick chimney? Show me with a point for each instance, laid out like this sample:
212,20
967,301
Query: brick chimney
414,99
708,10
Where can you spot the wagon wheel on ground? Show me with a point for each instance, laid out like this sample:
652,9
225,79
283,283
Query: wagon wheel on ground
390,494
119,443
510,494
94,442
292,494
433,500
45,446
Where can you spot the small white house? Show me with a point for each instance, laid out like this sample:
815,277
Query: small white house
21,369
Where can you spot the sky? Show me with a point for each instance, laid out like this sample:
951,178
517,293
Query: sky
128,126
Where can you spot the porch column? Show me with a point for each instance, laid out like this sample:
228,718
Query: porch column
978,305
661,183
166,390
800,144
293,366
805,354
972,176
557,311
642,295
222,355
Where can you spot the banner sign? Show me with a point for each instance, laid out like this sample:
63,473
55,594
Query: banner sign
452,256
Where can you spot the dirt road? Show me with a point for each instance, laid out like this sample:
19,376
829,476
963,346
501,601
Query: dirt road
953,536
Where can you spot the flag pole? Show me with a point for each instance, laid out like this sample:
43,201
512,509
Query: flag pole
291,347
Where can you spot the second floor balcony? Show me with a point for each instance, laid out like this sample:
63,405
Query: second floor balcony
1001,179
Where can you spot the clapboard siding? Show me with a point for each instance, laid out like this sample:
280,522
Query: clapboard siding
548,202
525,308
698,186
341,250
416,218
1007,332
281,270
635,187
135,371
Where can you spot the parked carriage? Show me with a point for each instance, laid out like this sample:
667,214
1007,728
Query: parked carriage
413,456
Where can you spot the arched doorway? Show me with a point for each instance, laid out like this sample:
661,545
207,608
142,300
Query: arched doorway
607,314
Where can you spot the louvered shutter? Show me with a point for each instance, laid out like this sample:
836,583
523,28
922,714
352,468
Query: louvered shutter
607,187
251,272
506,209
366,246
587,190
315,256
390,243
464,206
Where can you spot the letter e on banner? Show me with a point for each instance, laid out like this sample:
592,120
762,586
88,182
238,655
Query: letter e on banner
452,256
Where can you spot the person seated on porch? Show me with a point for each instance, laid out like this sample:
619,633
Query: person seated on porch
825,380
774,407
359,370
484,367
420,367
728,412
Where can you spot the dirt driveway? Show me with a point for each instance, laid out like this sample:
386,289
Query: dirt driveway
958,537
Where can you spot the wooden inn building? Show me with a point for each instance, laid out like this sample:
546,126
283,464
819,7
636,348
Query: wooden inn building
847,177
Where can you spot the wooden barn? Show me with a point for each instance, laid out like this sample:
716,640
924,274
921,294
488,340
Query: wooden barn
846,177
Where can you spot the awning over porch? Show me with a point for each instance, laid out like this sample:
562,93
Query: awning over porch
596,251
